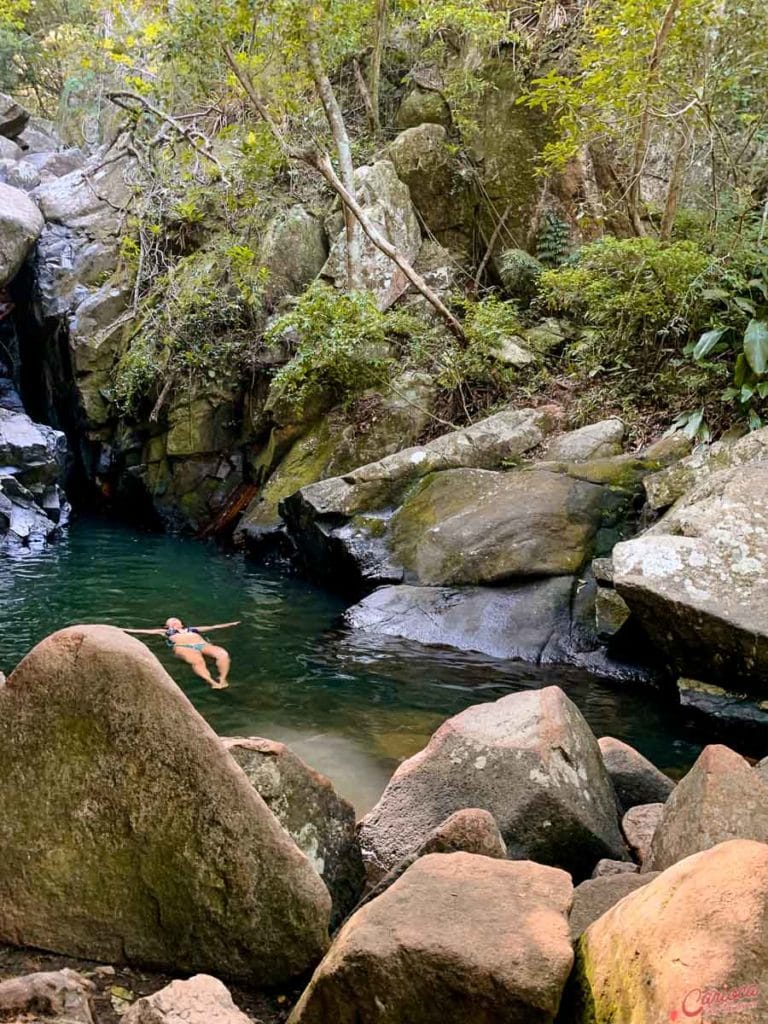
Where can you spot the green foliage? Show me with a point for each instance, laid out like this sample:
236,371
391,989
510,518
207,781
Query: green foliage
342,348
200,322
487,324
520,273
634,295
552,240
738,332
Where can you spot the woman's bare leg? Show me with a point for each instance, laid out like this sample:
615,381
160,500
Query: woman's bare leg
222,663
196,662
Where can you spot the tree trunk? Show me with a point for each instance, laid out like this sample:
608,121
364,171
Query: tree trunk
322,163
674,189
340,137
634,189
379,37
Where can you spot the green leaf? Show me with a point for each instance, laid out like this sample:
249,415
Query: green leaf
719,294
756,345
707,342
761,286
745,305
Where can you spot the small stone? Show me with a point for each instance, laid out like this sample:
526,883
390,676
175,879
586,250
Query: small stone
200,1000
639,826
606,867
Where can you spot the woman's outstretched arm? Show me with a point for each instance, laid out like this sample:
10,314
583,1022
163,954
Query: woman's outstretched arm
221,625
153,632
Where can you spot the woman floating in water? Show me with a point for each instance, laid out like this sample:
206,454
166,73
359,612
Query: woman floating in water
188,643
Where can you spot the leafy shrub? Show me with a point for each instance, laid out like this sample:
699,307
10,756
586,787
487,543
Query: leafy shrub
487,324
520,273
200,320
638,296
738,332
342,348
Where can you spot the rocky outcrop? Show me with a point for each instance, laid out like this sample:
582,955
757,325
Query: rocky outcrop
528,622
422,106
20,227
319,821
62,996
528,758
338,524
689,945
441,189
458,937
593,897
332,447
388,205
164,852
720,798
32,463
635,779
199,1000
93,198
695,580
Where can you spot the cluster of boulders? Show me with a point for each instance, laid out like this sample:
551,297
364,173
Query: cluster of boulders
515,869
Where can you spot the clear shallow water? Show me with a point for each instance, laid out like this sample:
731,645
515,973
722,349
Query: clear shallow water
352,710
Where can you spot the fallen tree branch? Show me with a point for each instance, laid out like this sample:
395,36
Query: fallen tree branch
321,162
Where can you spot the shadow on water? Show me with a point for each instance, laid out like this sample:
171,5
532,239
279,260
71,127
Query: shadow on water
351,707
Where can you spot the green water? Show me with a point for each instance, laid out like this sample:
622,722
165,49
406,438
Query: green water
351,710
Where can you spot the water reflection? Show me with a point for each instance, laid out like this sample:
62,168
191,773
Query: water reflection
352,709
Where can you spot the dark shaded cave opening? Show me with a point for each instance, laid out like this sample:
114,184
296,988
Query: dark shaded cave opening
36,350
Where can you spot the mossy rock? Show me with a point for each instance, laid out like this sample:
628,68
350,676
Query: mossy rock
423,106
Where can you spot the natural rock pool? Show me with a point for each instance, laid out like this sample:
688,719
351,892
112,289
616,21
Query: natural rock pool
351,709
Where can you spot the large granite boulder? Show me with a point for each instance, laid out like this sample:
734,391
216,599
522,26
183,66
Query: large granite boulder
422,106
24,523
441,188
457,938
528,758
388,205
13,117
18,174
305,803
127,833
198,1000
20,227
720,798
294,248
594,896
475,526
690,945
526,622
696,581
338,524
635,779
93,198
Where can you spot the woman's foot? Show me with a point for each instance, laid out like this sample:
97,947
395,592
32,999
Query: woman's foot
222,684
